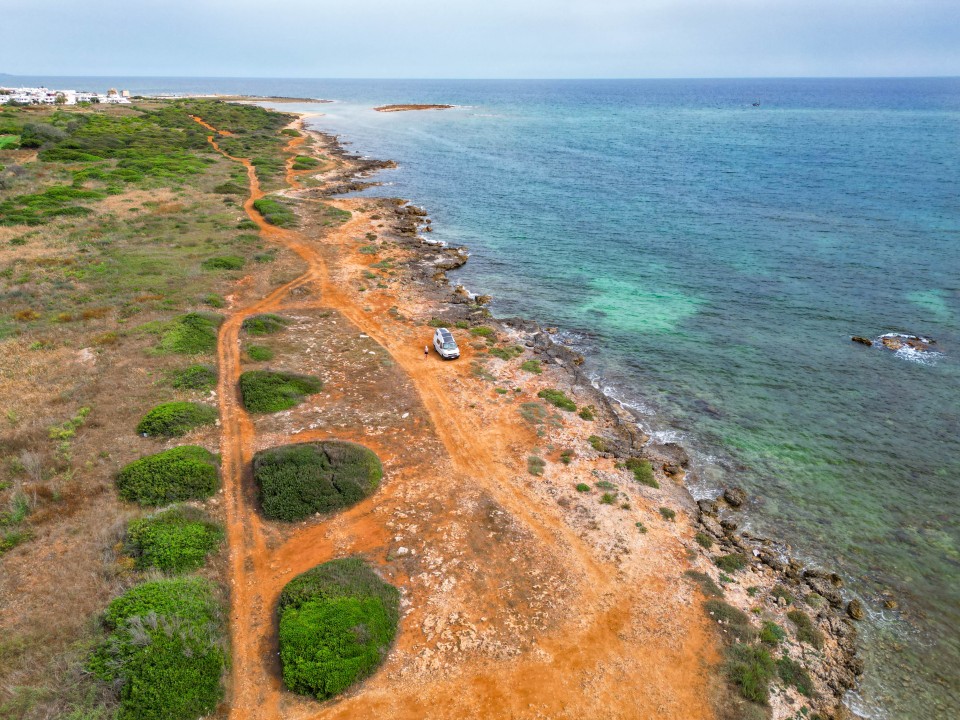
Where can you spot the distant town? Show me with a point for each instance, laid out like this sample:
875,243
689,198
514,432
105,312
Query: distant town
45,96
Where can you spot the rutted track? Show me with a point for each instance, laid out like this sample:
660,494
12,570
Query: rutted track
477,454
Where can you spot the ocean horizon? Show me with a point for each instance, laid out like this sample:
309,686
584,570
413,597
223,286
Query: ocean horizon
711,246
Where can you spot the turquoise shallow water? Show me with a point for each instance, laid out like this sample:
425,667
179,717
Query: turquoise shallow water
712,259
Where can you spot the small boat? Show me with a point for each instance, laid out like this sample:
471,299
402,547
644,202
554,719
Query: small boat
757,104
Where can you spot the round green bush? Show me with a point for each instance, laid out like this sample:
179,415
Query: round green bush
296,481
265,391
191,334
259,353
337,622
557,398
174,419
174,540
224,262
195,377
188,472
264,324
164,654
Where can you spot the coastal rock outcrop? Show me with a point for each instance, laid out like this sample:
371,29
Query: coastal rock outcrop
862,340
899,341
734,496
855,609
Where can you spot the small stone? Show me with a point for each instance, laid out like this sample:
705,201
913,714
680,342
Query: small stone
735,496
402,550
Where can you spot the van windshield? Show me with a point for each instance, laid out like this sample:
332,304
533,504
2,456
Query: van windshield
450,345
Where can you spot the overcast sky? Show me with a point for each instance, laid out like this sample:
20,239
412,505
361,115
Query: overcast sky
481,38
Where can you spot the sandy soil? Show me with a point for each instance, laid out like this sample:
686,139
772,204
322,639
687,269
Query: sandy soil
521,597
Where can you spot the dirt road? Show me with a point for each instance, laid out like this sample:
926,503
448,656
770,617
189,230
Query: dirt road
622,644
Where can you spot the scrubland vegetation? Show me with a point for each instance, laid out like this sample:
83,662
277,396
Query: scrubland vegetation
337,622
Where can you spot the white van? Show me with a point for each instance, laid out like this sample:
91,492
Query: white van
445,345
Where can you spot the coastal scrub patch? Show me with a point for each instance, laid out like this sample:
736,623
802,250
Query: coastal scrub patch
751,669
174,419
194,377
703,540
507,353
667,514
266,324
175,540
706,584
305,162
807,632
531,366
275,212
583,487
191,334
771,633
597,443
224,262
795,674
483,331
296,481
557,398
259,353
164,654
188,472
733,562
535,465
587,413
265,391
642,472
337,622
734,624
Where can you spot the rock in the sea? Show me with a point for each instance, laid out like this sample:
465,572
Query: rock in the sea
862,340
855,609
892,343
823,587
735,496
729,525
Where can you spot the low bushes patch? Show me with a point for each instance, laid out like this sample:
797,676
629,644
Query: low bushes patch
305,162
188,472
296,481
275,212
164,654
642,472
733,562
265,391
735,624
191,334
807,632
175,540
706,584
174,419
259,353
337,622
195,377
557,398
224,262
264,324
751,669
793,673
531,366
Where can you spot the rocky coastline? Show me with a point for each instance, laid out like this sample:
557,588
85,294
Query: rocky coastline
776,583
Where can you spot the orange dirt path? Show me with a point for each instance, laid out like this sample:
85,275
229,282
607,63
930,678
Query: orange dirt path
607,642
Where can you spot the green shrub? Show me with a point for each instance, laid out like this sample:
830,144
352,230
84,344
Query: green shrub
751,669
191,334
174,419
733,562
807,632
557,398
531,366
793,673
667,514
337,622
597,443
535,465
290,131
182,473
483,331
703,540
566,457
214,301
583,487
436,323
586,413
781,592
265,391
736,624
259,353
507,353
275,212
175,540
305,162
296,481
224,262
264,324
164,654
706,584
771,633
642,472
195,377
608,498
230,188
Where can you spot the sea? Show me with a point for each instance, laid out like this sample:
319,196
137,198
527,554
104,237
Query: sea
711,246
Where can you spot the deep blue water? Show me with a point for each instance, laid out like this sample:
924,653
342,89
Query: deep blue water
713,259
